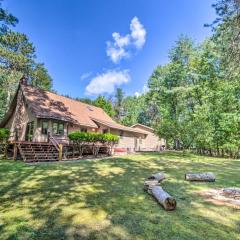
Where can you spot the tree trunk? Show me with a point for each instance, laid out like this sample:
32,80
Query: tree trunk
207,177
168,202
157,176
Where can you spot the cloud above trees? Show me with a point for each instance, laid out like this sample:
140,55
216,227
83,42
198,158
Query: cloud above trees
106,82
123,46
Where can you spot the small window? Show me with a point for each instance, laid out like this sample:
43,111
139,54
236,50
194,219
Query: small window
55,128
140,140
58,128
121,134
89,108
105,130
83,129
45,127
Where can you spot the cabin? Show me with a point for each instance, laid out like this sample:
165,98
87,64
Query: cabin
40,121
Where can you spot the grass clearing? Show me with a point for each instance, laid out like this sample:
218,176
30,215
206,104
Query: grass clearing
104,199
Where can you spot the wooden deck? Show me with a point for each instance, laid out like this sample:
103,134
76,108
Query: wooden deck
52,151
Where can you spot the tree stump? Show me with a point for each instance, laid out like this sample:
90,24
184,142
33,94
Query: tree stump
167,201
204,177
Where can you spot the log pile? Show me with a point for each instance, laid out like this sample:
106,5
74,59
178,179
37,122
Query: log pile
203,177
152,186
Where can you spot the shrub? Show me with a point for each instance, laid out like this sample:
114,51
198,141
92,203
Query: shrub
82,138
85,137
4,135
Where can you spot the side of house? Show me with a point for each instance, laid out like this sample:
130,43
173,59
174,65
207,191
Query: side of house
151,142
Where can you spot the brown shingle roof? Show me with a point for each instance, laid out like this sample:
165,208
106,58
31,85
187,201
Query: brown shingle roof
45,104
115,125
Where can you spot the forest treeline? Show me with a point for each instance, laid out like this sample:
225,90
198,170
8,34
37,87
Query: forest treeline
193,101
196,96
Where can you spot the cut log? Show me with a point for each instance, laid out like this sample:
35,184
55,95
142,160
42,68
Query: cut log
157,176
168,202
207,177
149,184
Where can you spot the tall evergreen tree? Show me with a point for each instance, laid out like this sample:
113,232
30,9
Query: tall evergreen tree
17,59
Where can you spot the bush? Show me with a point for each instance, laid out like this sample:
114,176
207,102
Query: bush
89,137
4,135
81,139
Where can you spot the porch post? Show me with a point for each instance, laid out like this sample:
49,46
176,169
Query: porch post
15,151
60,152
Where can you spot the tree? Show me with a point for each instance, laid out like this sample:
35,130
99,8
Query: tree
6,20
118,105
227,32
106,105
40,77
17,59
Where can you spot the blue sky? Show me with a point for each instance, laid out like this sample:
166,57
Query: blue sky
89,46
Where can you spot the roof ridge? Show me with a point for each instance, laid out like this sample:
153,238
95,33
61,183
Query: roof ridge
69,98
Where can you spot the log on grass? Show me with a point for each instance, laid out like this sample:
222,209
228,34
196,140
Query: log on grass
206,177
167,201
149,184
157,176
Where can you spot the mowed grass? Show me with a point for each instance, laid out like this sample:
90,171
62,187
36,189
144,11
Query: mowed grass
104,199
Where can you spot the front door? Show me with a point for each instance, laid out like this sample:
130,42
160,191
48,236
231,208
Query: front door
29,132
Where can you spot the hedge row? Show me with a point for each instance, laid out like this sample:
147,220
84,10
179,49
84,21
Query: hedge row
89,137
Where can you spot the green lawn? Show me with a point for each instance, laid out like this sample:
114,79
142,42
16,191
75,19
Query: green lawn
103,199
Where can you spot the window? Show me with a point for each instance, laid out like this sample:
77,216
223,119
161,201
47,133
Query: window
89,108
58,128
121,134
55,128
44,127
83,129
105,130
29,131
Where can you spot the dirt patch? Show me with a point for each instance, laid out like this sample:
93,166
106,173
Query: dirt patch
224,196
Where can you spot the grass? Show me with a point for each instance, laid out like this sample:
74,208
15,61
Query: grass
103,199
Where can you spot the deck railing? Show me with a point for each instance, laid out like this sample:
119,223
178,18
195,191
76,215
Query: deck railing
57,145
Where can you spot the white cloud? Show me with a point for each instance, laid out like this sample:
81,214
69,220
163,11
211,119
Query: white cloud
106,82
121,46
138,33
116,53
85,75
121,41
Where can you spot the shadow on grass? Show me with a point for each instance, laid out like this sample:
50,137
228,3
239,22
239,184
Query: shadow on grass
104,199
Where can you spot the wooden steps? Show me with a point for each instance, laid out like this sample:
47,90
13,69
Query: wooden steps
38,152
